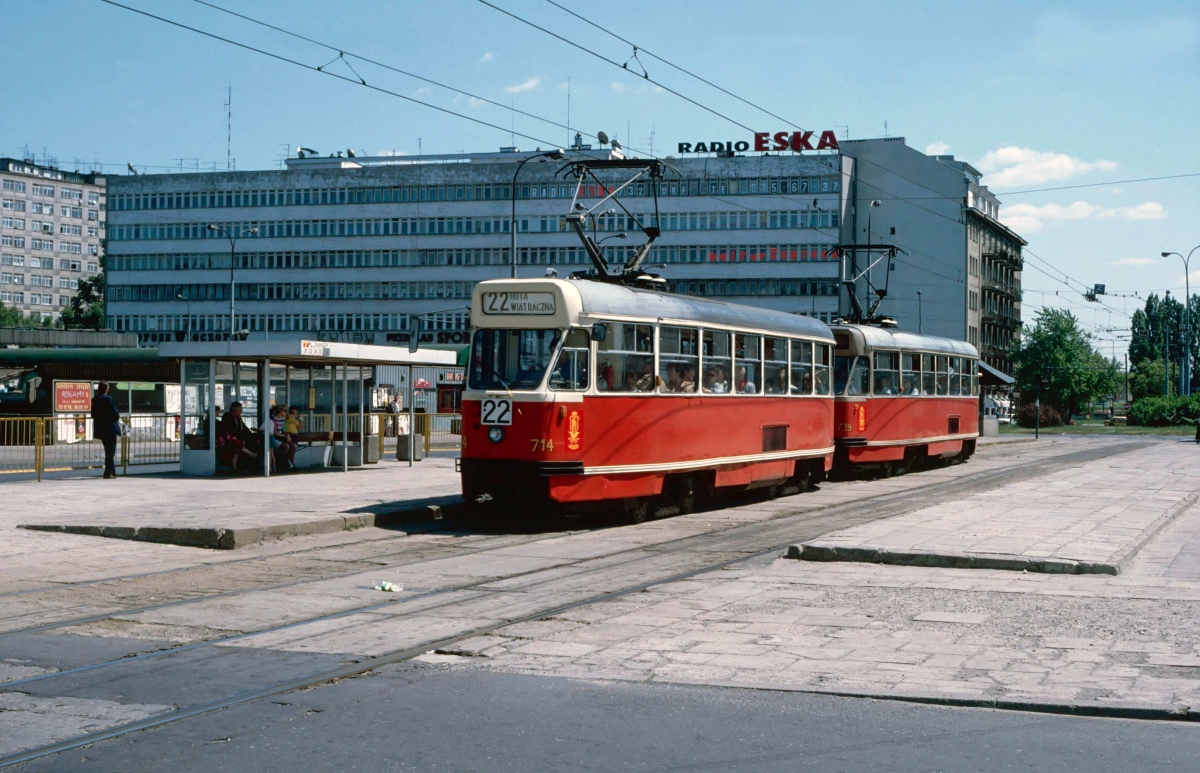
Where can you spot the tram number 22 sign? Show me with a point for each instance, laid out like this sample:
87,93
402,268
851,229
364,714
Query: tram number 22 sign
518,303
495,411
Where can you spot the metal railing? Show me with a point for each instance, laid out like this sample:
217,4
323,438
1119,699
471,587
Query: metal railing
436,431
41,444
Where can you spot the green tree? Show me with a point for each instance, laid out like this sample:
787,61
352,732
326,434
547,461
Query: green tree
1059,354
12,317
1157,329
87,306
1146,379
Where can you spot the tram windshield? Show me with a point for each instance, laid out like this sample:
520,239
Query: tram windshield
851,376
511,359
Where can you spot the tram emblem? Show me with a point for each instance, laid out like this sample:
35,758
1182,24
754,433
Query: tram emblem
574,433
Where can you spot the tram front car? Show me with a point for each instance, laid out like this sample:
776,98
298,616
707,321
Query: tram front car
657,428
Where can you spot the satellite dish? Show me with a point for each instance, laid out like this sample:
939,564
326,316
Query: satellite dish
602,137
616,145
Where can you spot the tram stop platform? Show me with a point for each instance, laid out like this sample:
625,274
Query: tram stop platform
191,511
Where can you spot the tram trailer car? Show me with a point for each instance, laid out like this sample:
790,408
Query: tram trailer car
588,395
903,400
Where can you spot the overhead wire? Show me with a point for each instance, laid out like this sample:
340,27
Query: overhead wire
392,68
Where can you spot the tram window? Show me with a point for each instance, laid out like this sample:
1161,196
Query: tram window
928,377
887,374
747,353
823,356
511,359
955,370
570,373
678,362
971,375
943,378
775,366
802,368
625,358
717,362
910,374
851,376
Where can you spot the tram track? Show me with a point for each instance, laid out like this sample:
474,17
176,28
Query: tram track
1003,474
671,560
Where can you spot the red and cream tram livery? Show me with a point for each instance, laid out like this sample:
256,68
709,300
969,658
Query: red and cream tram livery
583,392
902,398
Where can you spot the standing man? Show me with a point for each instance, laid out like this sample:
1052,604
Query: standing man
106,425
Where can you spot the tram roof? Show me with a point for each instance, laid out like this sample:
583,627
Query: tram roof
598,299
884,338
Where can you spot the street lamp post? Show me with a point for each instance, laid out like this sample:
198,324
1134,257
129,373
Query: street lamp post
920,313
232,237
555,154
1187,323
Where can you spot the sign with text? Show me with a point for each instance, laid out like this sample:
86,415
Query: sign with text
518,303
766,141
313,349
72,396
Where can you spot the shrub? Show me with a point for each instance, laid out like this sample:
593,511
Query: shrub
1026,416
1164,411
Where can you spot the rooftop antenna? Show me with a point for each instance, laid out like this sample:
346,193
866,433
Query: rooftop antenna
229,129
568,111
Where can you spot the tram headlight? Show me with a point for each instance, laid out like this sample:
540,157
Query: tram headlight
496,434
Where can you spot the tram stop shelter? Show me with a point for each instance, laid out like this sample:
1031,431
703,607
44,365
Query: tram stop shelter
321,378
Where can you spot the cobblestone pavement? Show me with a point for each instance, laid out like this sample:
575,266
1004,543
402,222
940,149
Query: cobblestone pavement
1089,641
1092,518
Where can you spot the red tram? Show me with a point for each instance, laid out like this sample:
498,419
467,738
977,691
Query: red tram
903,399
587,393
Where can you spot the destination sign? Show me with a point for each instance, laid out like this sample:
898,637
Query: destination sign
518,303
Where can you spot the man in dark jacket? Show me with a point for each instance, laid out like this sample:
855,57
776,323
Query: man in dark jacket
106,426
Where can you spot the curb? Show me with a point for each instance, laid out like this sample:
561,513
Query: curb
868,555
1004,562
445,510
1176,713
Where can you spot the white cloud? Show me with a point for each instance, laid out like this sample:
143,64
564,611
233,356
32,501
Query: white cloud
528,85
1030,217
1133,261
1014,166
422,90
475,102
486,58
937,149
617,87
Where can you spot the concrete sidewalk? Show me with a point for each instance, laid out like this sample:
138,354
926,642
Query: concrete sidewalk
1091,519
230,512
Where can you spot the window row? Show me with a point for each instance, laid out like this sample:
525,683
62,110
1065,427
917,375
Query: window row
403,194
454,324
429,226
486,256
293,291
16,186
726,288
906,374
640,358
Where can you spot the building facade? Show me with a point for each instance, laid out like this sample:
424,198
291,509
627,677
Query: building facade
958,270
346,248
52,234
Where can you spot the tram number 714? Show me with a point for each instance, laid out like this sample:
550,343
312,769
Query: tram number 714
495,411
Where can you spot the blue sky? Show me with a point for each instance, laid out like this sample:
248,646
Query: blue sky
1036,95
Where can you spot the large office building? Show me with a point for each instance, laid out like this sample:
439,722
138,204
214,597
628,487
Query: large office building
51,234
345,248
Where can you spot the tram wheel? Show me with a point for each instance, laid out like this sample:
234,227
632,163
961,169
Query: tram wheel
637,509
887,470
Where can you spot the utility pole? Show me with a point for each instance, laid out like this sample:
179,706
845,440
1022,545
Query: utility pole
229,129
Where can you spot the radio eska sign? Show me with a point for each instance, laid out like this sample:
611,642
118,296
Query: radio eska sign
765,141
